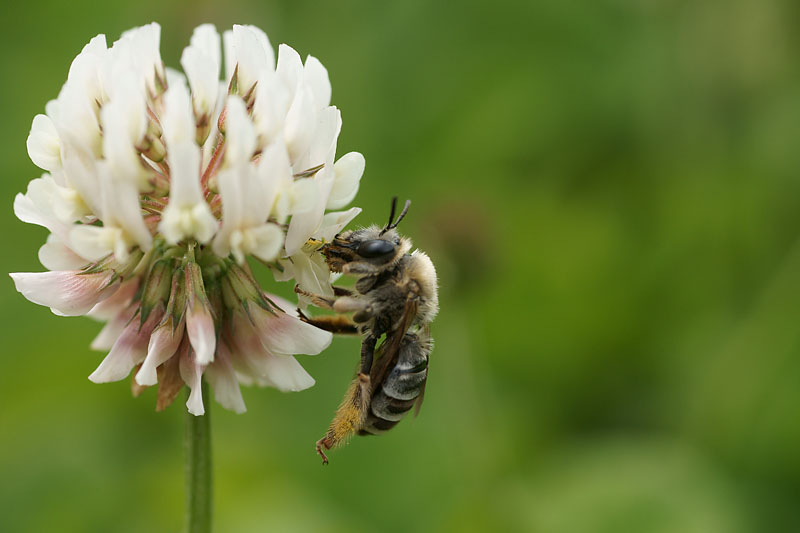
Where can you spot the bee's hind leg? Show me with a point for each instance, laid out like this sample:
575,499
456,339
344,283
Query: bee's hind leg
338,324
352,412
349,417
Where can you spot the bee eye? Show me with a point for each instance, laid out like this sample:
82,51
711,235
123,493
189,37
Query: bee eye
375,248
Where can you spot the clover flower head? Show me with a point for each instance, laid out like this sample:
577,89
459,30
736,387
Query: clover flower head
159,185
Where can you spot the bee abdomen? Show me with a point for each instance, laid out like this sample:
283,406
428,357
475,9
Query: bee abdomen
401,387
404,385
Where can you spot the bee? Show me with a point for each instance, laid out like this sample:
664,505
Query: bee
395,299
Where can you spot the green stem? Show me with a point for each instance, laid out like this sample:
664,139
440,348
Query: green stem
197,445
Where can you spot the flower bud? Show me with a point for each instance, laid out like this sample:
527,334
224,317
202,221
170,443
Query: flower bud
131,265
157,287
176,305
153,148
243,287
221,120
199,320
203,128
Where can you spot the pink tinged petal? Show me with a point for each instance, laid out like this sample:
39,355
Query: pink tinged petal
222,378
202,335
192,374
316,76
128,351
244,335
55,255
66,292
348,171
284,334
117,302
255,363
112,330
164,342
44,147
285,305
108,335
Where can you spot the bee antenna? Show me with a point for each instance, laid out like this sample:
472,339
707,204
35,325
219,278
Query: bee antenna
391,216
402,213
391,224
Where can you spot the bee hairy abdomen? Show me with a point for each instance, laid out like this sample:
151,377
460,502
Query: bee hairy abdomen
398,392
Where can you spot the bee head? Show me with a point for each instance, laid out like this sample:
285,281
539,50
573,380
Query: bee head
368,250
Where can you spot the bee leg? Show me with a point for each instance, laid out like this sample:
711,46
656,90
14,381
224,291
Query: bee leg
341,291
347,304
367,352
317,300
353,410
360,269
343,304
339,324
320,444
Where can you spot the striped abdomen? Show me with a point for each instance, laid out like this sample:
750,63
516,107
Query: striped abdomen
398,393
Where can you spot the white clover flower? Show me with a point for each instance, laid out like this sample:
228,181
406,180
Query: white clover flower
159,186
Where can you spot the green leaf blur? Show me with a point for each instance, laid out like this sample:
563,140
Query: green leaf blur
609,191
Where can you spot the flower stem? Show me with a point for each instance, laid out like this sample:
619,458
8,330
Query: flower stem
197,445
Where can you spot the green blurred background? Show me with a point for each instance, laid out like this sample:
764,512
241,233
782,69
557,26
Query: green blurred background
610,191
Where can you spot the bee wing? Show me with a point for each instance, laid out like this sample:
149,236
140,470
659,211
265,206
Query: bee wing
390,347
421,397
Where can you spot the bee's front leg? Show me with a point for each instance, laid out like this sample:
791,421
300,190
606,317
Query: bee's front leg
318,300
342,304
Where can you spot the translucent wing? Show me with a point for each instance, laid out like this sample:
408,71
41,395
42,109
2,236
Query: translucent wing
389,349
